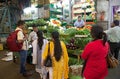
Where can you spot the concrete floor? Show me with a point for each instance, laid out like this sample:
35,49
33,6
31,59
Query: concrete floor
114,73
10,70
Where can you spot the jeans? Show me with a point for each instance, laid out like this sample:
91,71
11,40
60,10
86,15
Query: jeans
23,57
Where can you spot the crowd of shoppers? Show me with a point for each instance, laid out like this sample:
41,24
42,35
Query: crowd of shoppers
58,53
94,53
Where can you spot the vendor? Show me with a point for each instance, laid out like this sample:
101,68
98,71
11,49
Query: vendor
79,23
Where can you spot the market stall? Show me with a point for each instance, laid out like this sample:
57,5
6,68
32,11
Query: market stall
85,8
75,40
54,16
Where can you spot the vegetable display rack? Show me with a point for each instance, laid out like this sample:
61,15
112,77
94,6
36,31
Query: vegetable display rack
74,50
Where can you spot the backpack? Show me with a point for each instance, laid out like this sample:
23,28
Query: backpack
12,42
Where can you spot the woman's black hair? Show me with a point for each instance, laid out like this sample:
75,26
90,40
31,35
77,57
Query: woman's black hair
57,45
98,33
40,39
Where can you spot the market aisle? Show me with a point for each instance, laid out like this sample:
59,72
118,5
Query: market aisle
114,73
10,70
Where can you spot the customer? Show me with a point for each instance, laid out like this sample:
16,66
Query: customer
59,55
38,47
114,38
95,54
33,35
23,52
79,23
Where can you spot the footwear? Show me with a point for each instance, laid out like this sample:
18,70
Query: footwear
27,74
14,59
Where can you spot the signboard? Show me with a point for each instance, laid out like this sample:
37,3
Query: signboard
116,12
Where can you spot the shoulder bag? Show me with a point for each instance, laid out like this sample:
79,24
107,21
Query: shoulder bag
48,60
111,60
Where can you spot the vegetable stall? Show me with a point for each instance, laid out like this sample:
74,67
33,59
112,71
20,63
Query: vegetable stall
75,39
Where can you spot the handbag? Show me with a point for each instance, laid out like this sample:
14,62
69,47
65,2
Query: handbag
48,60
111,60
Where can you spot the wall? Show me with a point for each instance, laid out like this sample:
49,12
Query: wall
113,3
102,5
106,5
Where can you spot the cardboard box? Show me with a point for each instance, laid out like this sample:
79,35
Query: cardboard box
1,46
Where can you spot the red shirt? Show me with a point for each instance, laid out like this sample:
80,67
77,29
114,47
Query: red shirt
96,66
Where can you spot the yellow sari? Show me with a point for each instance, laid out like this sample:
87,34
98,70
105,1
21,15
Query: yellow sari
60,68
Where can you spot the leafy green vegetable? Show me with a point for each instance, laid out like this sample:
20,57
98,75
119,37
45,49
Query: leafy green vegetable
75,77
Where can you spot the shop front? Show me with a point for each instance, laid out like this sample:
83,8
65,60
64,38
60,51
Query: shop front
114,10
86,9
